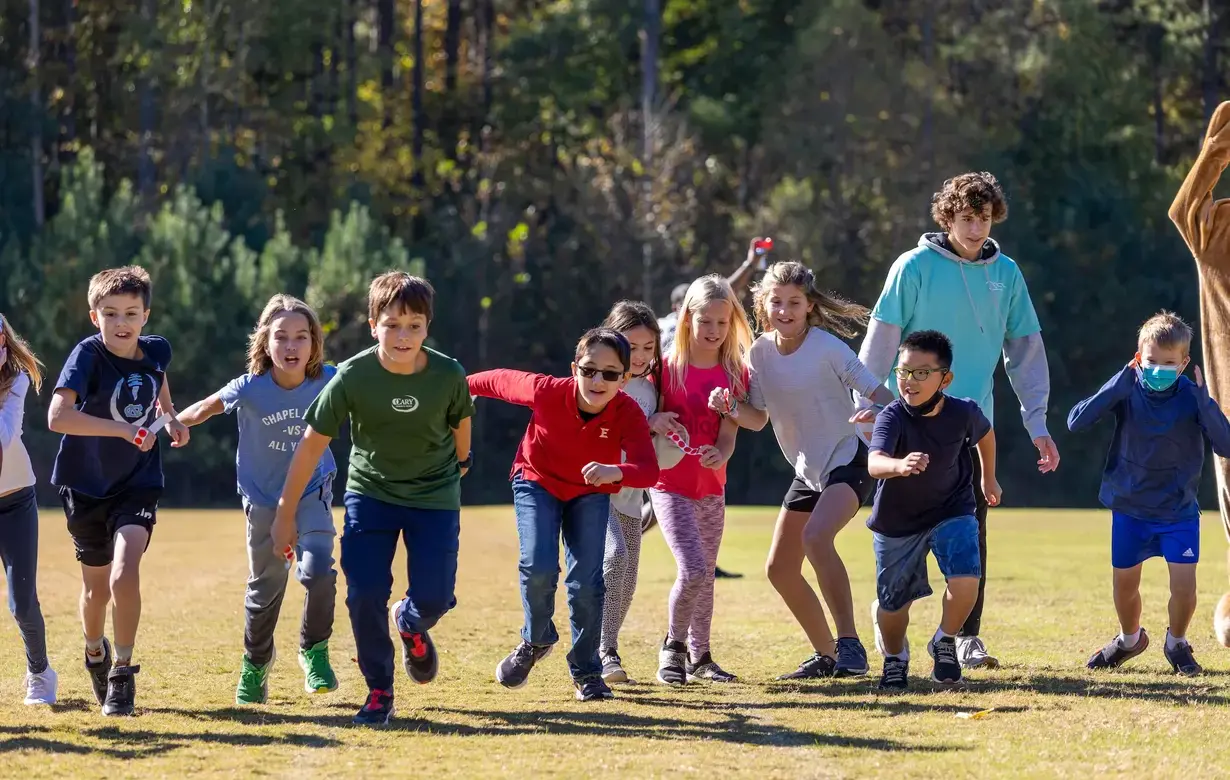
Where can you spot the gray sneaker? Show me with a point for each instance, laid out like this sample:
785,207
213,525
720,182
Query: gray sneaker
1181,659
514,670
972,653
612,668
706,669
672,659
1114,654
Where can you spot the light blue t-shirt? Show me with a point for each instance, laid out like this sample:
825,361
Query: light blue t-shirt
271,423
978,305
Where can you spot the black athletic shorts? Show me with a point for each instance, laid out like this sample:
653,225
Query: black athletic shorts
801,498
93,522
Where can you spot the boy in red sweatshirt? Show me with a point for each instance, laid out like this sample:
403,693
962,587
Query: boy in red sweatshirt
566,469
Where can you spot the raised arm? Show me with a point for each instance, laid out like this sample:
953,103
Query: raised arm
1111,394
1211,418
514,387
1201,221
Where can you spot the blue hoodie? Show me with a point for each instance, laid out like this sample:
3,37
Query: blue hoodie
1153,468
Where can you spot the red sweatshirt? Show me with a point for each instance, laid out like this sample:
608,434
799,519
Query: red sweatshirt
558,443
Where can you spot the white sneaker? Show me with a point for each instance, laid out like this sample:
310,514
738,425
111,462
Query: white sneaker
41,688
879,638
972,653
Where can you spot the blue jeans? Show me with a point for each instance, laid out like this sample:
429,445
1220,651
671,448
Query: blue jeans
19,552
901,561
369,541
541,520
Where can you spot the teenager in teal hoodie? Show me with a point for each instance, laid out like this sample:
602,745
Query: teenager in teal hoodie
959,283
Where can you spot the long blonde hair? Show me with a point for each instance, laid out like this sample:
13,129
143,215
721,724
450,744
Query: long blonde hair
828,310
21,359
259,360
732,355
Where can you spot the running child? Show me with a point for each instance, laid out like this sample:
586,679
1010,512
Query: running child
801,378
286,371
409,414
19,370
920,452
110,401
622,559
1151,481
566,470
710,351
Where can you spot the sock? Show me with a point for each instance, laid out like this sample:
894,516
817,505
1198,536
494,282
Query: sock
123,655
94,647
1174,641
1127,642
939,634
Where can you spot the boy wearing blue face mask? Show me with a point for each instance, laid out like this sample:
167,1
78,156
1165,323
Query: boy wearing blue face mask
1151,479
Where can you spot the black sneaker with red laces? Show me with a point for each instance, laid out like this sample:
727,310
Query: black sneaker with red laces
378,709
418,652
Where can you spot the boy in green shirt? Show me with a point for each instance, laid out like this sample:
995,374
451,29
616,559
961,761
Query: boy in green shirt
409,409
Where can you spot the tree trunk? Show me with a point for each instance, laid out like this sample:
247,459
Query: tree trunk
384,49
649,95
452,55
68,128
352,63
36,118
419,118
145,164
928,128
1210,78
1156,40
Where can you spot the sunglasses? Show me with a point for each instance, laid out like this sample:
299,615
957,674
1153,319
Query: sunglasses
918,374
589,372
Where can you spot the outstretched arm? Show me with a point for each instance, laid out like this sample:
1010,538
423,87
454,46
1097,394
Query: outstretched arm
514,387
1203,222
1111,394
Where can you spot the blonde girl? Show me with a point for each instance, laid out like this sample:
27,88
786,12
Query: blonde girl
19,371
709,352
801,377
286,371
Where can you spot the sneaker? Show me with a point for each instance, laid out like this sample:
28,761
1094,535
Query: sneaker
879,638
592,689
672,661
972,653
706,669
1180,658
121,691
418,652
1114,654
378,709
896,675
612,668
815,668
41,687
947,670
318,676
514,670
851,658
253,685
98,671
721,574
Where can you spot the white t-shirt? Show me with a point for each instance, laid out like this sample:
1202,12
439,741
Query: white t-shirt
628,501
16,472
807,396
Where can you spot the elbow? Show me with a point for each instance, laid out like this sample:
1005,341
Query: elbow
54,420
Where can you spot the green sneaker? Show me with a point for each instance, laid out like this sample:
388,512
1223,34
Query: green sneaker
253,685
318,674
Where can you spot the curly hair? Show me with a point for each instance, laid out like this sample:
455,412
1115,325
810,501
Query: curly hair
968,191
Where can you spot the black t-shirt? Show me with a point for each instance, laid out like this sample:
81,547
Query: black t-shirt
113,388
905,506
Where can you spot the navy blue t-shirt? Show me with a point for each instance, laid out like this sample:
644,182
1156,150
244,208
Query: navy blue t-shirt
113,388
905,506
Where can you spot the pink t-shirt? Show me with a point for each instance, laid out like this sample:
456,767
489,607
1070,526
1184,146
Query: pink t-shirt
691,403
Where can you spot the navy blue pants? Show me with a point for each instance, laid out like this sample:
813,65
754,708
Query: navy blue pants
541,520
369,540
19,553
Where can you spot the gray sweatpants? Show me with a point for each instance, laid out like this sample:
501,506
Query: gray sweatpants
267,575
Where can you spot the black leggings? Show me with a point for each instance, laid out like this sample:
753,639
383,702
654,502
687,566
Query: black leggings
973,623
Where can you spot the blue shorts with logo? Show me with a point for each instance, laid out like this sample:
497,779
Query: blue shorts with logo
1134,541
901,561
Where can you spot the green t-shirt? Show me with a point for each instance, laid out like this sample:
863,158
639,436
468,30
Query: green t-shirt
401,426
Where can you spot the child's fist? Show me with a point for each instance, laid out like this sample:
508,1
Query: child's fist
598,474
991,489
914,463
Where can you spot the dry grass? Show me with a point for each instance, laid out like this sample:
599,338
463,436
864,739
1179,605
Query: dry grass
1049,608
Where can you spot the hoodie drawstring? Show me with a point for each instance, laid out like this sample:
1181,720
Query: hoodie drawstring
970,295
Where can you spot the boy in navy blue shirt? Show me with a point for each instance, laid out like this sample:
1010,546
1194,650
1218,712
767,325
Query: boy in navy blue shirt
1150,481
920,452
110,400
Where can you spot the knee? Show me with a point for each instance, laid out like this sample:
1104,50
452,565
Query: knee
818,537
693,578
316,565
125,578
99,593
24,605
779,572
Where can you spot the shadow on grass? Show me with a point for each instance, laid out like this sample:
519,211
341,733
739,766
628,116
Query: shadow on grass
124,744
735,728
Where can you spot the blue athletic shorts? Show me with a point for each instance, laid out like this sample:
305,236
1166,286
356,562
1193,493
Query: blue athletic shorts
1134,541
901,561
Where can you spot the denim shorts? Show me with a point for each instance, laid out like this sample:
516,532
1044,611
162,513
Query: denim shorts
901,561
1134,541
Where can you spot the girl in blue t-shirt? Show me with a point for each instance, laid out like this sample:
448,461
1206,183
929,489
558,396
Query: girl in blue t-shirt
286,371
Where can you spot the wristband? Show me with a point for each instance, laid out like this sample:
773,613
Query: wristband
143,433
468,462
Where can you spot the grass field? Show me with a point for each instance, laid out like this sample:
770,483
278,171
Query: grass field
1049,608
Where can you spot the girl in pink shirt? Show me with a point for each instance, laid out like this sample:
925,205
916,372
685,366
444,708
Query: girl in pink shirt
710,351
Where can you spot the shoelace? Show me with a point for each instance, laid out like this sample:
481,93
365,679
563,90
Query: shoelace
373,699
250,675
945,653
894,670
846,651
418,648
524,653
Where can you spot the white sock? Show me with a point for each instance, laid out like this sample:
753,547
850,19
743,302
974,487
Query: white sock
939,634
1128,641
1174,641
904,655
94,647
123,655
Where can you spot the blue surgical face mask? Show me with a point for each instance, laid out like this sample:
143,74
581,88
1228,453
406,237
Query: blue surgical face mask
1158,378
